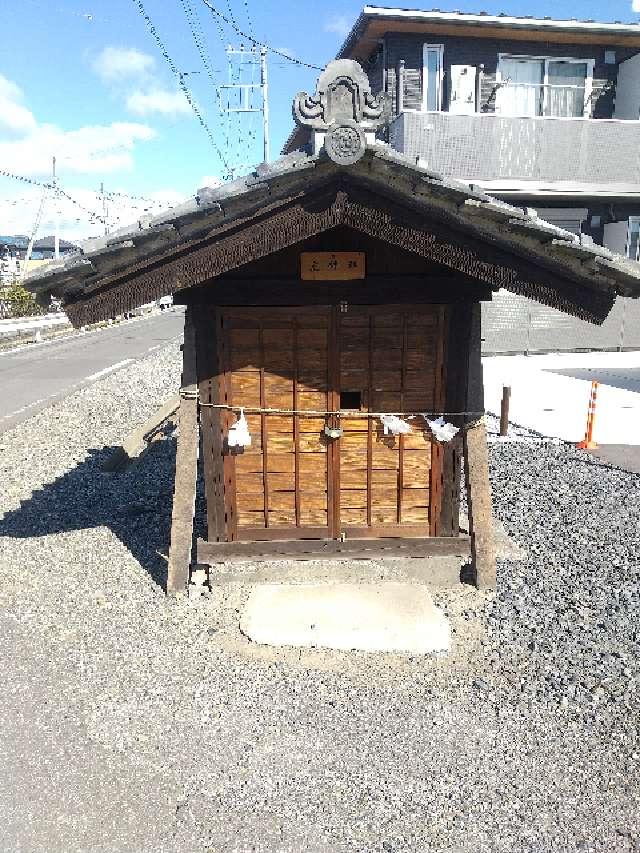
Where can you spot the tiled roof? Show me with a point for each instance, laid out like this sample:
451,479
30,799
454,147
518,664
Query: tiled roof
213,211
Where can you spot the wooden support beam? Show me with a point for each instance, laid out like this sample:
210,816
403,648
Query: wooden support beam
476,468
184,495
137,440
211,553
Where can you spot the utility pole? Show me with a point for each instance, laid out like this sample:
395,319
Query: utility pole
105,211
238,95
34,232
265,102
56,237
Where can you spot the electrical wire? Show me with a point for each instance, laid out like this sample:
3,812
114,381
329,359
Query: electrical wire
180,78
257,43
48,185
200,40
248,14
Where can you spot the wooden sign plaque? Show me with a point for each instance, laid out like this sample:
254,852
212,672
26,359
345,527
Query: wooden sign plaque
332,266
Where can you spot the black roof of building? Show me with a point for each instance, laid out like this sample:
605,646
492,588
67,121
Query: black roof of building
206,237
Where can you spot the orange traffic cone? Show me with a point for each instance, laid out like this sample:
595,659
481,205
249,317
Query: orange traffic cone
588,443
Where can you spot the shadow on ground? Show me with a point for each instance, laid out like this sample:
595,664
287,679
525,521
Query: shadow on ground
627,378
135,504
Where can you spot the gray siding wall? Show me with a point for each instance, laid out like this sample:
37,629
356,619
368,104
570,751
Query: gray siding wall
512,323
476,51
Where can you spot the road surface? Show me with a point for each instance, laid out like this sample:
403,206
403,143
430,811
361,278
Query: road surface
34,376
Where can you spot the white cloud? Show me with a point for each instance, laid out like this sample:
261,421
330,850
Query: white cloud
84,156
159,101
115,64
96,149
18,211
209,181
635,5
341,25
15,118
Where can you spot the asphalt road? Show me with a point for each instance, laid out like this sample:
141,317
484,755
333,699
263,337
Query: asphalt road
36,375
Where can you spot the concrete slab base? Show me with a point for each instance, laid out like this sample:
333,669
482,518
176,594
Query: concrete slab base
385,617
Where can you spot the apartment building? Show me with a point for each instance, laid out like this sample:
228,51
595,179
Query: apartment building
542,113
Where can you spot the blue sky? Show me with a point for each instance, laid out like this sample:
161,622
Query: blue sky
84,80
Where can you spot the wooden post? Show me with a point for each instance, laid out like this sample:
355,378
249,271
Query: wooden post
504,411
184,495
476,466
476,471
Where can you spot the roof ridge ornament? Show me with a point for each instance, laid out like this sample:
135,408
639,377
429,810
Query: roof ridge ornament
343,114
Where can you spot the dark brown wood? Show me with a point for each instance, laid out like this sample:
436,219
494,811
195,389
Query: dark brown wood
439,397
264,431
504,411
226,418
211,553
296,425
333,401
209,379
403,381
406,530
458,337
426,290
370,421
272,534
184,495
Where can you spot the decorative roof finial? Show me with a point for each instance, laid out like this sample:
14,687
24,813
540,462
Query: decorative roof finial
343,114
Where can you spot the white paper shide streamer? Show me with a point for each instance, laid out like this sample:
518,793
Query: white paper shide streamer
393,425
239,435
441,430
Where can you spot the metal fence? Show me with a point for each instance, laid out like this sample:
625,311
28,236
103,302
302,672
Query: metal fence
515,324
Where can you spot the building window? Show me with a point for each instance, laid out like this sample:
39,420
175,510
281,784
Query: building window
432,56
633,238
544,86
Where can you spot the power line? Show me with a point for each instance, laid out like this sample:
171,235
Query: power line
113,194
200,40
50,186
248,14
179,76
257,43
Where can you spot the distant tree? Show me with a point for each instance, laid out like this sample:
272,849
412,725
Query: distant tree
21,302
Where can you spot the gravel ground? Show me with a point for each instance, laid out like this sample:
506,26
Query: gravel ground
133,723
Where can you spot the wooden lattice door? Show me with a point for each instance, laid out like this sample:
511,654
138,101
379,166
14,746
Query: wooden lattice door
391,360
279,359
296,482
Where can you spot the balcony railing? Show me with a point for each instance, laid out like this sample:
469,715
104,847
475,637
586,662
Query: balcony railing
488,148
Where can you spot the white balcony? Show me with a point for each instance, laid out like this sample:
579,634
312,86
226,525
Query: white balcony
514,154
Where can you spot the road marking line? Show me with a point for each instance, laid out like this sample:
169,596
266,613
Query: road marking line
106,370
66,392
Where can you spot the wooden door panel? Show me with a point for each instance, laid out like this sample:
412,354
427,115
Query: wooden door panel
278,359
394,358
294,481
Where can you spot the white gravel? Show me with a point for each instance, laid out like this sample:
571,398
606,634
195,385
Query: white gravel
131,723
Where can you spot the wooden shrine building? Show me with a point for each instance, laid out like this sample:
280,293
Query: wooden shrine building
331,287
